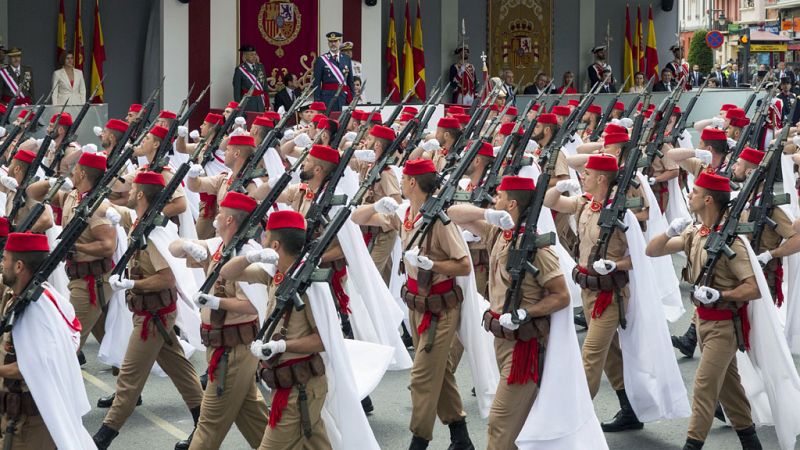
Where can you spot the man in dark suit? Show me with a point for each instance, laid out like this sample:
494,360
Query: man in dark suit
667,84
539,86
250,72
717,73
16,79
285,97
784,72
330,70
696,78
734,77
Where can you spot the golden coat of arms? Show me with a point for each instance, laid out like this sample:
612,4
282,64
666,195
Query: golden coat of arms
279,22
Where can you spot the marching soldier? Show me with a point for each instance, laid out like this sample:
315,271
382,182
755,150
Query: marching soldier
448,131
434,303
251,73
151,297
112,133
230,323
17,171
733,286
17,79
331,70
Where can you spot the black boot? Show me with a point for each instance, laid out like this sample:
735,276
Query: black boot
105,402
407,340
459,437
693,444
204,380
718,413
686,343
102,439
366,405
580,320
749,438
417,443
184,444
81,358
625,419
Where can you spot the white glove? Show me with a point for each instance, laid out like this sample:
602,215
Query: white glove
2,132
500,219
706,295
183,131
386,205
194,135
703,155
66,187
717,122
240,121
195,171
795,140
506,320
266,256
215,224
531,146
395,127
97,131
113,216
469,237
651,181
238,132
206,301
424,263
262,350
495,150
196,251
431,145
350,136
288,134
731,143
568,186
626,122
416,260
89,148
604,266
118,283
365,155
9,183
765,257
302,140
677,226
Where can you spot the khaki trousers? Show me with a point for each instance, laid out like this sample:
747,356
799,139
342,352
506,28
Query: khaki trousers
512,402
601,351
92,317
381,253
433,386
139,359
717,379
29,434
240,402
288,434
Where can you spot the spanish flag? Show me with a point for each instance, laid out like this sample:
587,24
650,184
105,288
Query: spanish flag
629,66
98,56
408,55
78,44
392,66
419,57
61,32
638,49
651,54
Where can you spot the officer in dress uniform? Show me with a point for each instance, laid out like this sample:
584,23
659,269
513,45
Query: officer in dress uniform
16,79
245,74
331,69
347,49
678,67
595,71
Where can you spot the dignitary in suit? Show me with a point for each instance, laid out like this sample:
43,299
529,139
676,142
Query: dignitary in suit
332,69
735,77
68,85
285,97
696,77
784,72
16,79
722,80
508,86
250,72
667,83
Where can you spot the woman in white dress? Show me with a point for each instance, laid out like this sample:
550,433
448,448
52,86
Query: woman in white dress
68,83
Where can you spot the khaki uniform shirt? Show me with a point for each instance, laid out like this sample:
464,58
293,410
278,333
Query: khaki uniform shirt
728,273
772,238
70,202
589,232
387,185
149,260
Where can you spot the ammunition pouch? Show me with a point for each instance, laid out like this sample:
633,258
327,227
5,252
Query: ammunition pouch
15,404
614,281
291,373
435,303
78,270
229,335
150,301
536,328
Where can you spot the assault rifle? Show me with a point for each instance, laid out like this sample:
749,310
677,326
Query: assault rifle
344,118
71,133
144,114
399,109
518,159
750,131
632,105
221,130
607,113
659,121
680,126
29,123
5,118
38,208
752,97
336,96
161,157
424,117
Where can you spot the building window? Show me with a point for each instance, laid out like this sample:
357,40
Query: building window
747,3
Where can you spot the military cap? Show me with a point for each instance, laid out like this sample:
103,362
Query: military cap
247,48
333,35
14,51
347,45
599,48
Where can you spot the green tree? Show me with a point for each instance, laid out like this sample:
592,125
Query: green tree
700,53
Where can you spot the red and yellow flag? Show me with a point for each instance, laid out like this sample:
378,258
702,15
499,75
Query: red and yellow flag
408,55
392,66
78,44
638,51
628,69
61,32
419,57
651,54
98,56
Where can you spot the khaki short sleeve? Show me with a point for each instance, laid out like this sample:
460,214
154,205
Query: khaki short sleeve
546,261
389,183
450,241
740,266
255,274
692,165
562,168
156,259
784,228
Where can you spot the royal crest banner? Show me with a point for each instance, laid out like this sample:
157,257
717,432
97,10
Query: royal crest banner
285,35
520,35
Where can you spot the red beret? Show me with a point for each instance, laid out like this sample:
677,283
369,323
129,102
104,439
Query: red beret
450,123
25,156
650,107
727,106
327,124
262,121
595,109
648,113
410,110
619,106
740,123
573,102
713,134
602,162
159,131
317,106
382,132
4,228
23,114
27,242
271,115
240,139
315,120
325,153
135,108
419,167
165,114
676,110
406,117
214,119
232,105
462,118
494,108
286,219
713,182
536,107
735,113
613,128
65,119
547,118
486,150
749,154
559,110
117,125
3,109
455,110
358,115
507,128
615,138
93,160
149,178
373,117
237,200
512,111
515,183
